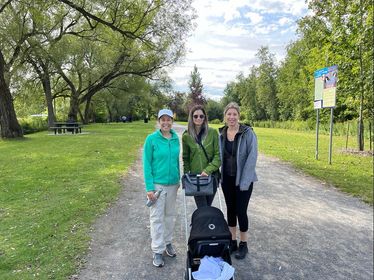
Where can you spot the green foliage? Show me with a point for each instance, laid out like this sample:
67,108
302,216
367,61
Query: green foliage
293,84
214,110
349,128
33,124
73,57
334,33
266,92
178,103
215,121
52,188
231,93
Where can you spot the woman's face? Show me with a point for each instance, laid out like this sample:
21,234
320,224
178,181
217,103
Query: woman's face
198,117
232,117
165,123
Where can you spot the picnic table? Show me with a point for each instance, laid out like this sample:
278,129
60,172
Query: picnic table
64,127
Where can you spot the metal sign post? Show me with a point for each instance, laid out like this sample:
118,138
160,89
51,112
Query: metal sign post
317,130
325,81
331,124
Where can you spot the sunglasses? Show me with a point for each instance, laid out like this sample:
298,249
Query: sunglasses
198,116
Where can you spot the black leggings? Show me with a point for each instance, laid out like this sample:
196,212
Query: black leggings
206,200
236,202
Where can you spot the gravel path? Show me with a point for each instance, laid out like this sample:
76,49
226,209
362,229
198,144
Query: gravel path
299,229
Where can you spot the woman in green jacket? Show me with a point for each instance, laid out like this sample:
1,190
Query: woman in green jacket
201,150
161,173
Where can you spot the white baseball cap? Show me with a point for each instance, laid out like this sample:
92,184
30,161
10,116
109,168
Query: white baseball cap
166,112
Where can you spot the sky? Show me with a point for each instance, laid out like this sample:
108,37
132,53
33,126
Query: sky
228,36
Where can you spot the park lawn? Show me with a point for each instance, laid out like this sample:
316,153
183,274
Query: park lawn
351,173
52,188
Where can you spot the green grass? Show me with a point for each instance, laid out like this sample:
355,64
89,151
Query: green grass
351,173
51,190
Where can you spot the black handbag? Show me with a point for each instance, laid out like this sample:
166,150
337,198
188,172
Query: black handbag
197,185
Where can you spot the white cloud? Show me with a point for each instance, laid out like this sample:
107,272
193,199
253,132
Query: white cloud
284,21
254,17
229,34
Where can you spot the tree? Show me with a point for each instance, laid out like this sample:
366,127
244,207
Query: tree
143,37
230,94
10,127
295,84
251,107
177,103
266,84
214,110
342,33
196,88
151,38
13,22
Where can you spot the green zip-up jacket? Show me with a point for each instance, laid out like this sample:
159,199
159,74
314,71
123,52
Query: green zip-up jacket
194,159
161,160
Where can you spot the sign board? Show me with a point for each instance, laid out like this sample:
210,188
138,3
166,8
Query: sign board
325,80
317,104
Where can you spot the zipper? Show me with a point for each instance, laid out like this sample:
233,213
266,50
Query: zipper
169,179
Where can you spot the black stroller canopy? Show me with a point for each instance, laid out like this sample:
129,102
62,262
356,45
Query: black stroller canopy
208,223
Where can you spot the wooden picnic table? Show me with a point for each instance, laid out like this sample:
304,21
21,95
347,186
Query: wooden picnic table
64,127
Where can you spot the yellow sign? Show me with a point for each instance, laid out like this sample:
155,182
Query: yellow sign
329,97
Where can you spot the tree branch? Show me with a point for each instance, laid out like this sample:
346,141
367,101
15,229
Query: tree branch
2,8
88,16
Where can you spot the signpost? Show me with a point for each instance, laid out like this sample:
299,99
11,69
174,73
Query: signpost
325,81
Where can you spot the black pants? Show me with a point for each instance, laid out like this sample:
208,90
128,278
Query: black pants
236,202
205,200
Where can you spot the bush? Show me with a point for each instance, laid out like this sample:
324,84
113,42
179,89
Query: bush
33,124
215,121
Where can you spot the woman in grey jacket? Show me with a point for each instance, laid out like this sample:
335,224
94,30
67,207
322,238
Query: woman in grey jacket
238,146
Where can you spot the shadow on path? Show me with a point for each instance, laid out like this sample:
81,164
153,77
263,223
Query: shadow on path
299,229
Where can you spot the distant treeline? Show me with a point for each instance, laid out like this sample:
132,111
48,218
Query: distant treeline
335,33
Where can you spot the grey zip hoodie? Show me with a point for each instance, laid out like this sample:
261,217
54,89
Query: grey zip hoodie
246,155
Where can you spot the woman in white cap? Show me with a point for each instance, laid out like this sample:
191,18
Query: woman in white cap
161,173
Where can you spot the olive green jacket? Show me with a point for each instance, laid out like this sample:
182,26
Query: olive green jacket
194,159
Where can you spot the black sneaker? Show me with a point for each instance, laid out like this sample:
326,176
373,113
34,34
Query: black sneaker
233,246
170,251
242,251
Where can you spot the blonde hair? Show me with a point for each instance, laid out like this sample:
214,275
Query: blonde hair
232,105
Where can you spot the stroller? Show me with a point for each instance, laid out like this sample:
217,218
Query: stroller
209,236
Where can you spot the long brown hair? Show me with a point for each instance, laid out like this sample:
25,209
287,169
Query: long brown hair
191,126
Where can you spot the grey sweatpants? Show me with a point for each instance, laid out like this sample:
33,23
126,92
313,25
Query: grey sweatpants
162,217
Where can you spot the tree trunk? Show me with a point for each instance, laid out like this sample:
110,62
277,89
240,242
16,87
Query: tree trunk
74,107
42,69
360,133
9,125
87,110
48,97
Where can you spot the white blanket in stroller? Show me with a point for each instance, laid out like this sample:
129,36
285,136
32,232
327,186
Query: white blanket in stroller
213,269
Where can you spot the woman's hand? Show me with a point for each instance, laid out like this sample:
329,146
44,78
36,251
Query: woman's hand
204,174
151,195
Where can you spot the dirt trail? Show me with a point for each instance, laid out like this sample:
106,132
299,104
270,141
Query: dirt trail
299,229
